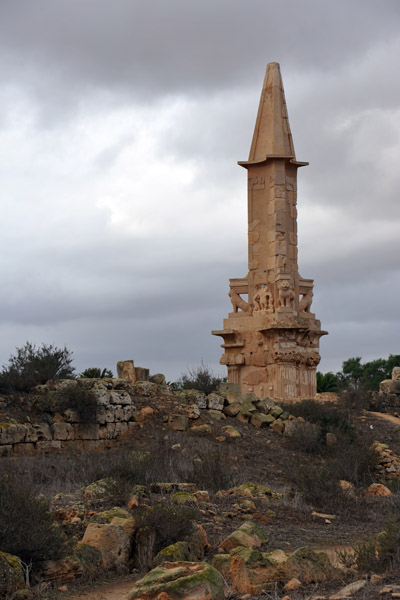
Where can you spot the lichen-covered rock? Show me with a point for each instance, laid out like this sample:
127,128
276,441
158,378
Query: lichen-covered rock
251,570
276,411
232,409
12,433
231,431
184,498
251,490
215,402
222,562
247,408
310,566
378,490
178,422
108,515
169,488
203,429
99,489
278,426
249,535
178,552
261,420
180,581
89,557
11,575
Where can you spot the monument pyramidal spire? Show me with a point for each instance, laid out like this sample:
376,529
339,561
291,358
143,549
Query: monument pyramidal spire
271,338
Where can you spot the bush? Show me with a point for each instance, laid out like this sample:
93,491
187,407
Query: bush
31,366
328,416
305,437
79,399
379,554
26,526
200,378
159,526
96,373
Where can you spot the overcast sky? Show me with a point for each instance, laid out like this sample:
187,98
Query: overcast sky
124,213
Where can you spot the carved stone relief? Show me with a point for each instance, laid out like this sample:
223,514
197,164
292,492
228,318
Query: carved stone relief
263,300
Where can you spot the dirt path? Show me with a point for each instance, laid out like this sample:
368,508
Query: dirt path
117,590
386,417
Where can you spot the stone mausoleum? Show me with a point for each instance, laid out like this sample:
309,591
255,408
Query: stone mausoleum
271,337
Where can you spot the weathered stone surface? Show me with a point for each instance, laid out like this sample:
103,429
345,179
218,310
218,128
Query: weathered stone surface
63,431
126,370
249,535
178,552
178,422
158,378
180,581
215,402
112,541
62,570
232,409
11,575
278,426
12,433
231,431
264,351
107,516
261,420
378,490
99,489
203,429
222,562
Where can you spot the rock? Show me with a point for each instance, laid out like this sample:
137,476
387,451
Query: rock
348,488
232,409
265,405
276,412
310,566
180,581
62,570
349,590
278,426
99,489
231,431
184,498
158,378
222,562
249,535
261,420
169,488
204,429
194,397
215,402
396,374
112,541
126,370
90,559
378,490
217,415
247,408
178,552
178,422
251,570
108,515
292,585
202,496
12,433
11,575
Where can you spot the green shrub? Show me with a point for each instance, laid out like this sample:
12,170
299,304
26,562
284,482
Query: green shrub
328,416
31,366
199,378
26,526
381,553
96,373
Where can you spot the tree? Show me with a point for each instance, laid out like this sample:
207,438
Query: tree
32,366
355,374
327,382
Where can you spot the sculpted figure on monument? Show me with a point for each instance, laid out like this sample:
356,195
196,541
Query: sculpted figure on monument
263,300
285,294
306,301
238,302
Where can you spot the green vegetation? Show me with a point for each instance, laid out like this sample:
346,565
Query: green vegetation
96,373
26,526
199,378
31,366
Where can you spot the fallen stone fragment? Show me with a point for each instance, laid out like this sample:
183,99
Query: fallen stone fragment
249,535
261,420
180,581
231,431
204,429
349,590
378,490
292,585
215,402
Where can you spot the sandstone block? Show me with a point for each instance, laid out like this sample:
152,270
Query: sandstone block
215,402
120,397
83,431
232,409
12,433
248,535
261,420
113,543
61,571
178,422
126,370
278,426
38,432
231,431
63,431
48,445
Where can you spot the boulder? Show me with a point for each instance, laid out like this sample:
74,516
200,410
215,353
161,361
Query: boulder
232,409
251,570
261,420
310,566
112,541
180,581
11,575
278,426
222,562
231,431
158,378
204,429
62,570
178,552
378,490
249,535
99,489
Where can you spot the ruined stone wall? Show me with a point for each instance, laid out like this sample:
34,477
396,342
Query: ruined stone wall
114,420
388,397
